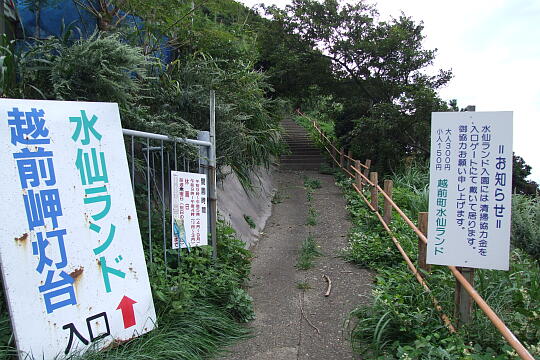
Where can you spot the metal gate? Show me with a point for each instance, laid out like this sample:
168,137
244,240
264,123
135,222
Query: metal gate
153,156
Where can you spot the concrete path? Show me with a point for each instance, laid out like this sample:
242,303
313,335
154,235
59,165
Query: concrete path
281,328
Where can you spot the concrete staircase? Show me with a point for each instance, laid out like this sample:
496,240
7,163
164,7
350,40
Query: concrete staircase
304,155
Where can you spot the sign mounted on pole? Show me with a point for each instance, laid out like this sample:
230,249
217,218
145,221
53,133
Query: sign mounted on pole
72,259
470,189
189,209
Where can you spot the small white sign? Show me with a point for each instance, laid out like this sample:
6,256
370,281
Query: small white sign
72,259
470,189
189,209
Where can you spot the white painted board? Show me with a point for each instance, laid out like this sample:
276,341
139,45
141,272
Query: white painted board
470,189
189,209
71,254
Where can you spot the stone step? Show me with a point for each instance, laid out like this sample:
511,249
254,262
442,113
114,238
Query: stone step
302,156
302,161
300,166
303,153
299,142
302,146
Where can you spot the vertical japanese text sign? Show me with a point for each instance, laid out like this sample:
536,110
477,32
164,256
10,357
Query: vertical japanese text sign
470,189
189,209
71,252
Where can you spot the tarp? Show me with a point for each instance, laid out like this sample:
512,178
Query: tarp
54,16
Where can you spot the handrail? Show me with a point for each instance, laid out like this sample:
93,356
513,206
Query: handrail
323,135
492,316
147,135
362,175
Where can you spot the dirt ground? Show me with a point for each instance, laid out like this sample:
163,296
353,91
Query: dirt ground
294,323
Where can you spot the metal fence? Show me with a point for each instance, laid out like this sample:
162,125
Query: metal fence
152,157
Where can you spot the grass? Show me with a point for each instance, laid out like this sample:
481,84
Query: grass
200,303
308,252
278,198
402,324
303,286
309,194
327,169
311,183
526,224
250,221
203,329
312,217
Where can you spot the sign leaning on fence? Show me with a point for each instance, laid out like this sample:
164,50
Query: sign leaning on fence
189,209
470,189
72,260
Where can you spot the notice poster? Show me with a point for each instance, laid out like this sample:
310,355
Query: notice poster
470,189
189,209
72,259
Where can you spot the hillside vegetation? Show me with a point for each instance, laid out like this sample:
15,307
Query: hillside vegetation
369,80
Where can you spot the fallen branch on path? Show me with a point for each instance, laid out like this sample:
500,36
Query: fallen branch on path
329,288
305,317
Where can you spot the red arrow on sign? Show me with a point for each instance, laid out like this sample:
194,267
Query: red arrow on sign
128,314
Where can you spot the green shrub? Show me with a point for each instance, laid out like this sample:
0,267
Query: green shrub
199,302
169,99
526,224
196,334
99,69
250,221
312,217
308,252
402,323
311,183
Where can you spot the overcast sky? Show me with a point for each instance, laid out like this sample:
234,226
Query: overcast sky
493,48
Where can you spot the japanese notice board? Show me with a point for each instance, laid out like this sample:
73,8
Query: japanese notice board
470,189
189,209
71,252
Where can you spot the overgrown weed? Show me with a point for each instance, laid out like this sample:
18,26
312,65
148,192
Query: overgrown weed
402,324
311,183
312,217
308,252
250,221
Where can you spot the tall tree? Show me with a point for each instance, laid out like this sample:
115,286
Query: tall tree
520,171
387,93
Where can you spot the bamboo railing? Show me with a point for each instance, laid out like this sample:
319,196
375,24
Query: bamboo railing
360,172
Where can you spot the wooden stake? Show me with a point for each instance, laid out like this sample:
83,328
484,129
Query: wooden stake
368,165
349,161
357,176
422,247
388,184
374,191
342,158
463,301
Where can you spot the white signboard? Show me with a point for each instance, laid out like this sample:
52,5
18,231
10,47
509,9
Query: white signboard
470,189
72,260
189,209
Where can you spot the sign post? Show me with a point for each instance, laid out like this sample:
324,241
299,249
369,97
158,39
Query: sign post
72,259
470,194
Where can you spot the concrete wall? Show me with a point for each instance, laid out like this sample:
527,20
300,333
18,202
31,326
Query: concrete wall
234,202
